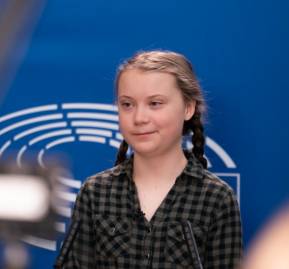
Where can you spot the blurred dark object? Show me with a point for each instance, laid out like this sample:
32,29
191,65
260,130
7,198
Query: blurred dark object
17,22
27,197
28,206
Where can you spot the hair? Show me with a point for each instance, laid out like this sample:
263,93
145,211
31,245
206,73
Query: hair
180,67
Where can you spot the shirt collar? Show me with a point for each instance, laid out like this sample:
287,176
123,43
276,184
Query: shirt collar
123,168
193,168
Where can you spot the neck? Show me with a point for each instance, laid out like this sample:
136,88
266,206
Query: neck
165,167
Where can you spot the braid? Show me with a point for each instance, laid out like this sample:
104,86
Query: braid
198,138
121,155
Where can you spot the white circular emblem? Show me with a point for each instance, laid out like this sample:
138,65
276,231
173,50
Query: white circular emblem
41,129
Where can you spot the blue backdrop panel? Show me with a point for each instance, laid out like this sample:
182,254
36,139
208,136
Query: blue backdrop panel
62,97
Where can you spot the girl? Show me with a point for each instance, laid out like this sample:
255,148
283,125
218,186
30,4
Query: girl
158,208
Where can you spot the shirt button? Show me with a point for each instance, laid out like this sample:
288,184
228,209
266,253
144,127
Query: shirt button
112,230
148,255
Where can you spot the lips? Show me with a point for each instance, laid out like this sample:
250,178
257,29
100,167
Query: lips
144,133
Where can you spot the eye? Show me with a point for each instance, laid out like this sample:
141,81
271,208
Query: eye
125,104
156,104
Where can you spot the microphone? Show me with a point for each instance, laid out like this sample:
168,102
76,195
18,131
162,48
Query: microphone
191,243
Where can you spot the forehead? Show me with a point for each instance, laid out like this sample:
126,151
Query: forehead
135,80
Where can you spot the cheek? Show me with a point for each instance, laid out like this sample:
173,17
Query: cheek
174,124
123,122
171,126
172,117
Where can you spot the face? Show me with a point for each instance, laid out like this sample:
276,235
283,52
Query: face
151,111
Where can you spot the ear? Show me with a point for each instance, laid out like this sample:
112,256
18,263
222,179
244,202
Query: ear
190,109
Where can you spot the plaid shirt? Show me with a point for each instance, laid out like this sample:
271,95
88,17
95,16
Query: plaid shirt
109,230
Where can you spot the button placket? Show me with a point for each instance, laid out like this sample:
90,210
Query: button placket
149,229
148,255
147,242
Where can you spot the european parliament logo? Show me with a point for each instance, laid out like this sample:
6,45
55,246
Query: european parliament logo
45,129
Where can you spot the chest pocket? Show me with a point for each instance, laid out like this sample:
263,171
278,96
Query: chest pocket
177,249
112,235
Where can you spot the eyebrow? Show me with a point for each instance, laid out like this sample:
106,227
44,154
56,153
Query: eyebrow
149,97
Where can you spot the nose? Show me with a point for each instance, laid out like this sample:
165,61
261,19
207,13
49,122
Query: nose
141,116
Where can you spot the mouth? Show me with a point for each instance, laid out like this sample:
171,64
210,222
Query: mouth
144,133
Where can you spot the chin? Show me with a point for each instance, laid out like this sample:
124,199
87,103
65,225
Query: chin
145,150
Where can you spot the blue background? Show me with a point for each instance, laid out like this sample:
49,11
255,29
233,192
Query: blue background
240,51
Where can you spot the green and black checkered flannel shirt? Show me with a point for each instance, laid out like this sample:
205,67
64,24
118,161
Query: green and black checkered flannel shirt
108,229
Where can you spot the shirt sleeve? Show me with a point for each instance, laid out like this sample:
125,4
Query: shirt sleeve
77,250
224,242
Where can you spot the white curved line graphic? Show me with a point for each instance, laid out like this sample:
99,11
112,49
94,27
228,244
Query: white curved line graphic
221,153
105,125
208,161
40,128
93,132
30,121
101,116
89,106
70,182
4,147
189,146
40,242
64,211
40,158
67,196
60,227
49,135
119,136
217,149
28,111
88,138
60,141
20,154
237,175
114,143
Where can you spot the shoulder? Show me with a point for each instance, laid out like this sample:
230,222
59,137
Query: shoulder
215,184
98,187
214,192
105,177
220,194
204,183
